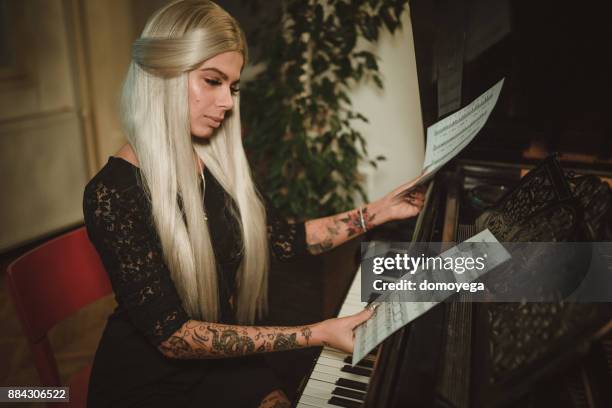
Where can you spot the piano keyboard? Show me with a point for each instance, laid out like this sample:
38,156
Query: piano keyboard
333,381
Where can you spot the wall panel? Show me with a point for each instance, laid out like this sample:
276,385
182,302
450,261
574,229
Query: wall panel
43,166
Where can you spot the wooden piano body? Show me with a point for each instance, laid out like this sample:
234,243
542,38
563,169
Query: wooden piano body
556,60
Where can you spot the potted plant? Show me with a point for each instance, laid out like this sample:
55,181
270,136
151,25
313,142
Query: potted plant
299,121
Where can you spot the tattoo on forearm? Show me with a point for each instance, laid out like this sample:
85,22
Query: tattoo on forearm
307,334
325,233
320,247
231,343
210,340
285,342
177,345
353,223
326,242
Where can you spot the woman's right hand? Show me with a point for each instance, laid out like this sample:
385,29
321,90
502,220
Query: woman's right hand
338,333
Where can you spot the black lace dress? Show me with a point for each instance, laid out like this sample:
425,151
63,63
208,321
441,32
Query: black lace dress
128,369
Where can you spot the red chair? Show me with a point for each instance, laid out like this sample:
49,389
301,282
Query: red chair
48,284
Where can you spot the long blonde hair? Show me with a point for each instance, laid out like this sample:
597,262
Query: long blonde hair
177,39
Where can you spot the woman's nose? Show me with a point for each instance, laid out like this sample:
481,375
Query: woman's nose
225,99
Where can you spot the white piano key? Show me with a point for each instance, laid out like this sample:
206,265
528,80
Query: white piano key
351,308
316,387
333,354
351,303
340,374
329,378
316,402
303,405
319,376
327,370
349,312
323,391
336,355
316,392
331,362
354,304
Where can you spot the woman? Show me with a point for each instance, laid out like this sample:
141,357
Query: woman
189,278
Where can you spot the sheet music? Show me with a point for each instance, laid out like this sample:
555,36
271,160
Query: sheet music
391,313
446,138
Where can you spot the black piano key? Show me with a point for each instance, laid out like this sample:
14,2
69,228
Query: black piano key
343,392
341,402
352,384
357,370
362,363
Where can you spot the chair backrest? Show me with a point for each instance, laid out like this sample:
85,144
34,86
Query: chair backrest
48,284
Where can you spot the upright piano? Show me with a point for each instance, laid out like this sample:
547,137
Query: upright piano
540,169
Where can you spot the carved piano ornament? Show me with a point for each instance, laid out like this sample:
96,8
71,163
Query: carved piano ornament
461,354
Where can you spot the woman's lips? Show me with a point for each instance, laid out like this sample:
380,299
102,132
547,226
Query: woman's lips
216,122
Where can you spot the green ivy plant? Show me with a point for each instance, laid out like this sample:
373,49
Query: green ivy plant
299,121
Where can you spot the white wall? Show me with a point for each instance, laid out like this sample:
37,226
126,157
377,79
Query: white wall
395,129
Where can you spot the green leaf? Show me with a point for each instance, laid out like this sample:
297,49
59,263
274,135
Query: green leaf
378,81
389,21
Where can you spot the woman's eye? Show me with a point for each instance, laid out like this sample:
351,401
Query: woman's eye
213,82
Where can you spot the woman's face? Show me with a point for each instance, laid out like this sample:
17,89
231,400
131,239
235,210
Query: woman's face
211,87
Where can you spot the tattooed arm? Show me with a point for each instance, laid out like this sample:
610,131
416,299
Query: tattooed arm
323,234
196,339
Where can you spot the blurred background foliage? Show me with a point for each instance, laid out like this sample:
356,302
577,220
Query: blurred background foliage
297,115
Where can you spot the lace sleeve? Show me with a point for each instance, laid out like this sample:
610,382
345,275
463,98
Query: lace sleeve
118,224
287,240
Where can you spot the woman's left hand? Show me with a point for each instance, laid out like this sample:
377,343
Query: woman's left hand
404,202
326,233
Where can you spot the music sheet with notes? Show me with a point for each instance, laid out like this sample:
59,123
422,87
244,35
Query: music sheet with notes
446,138
392,313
